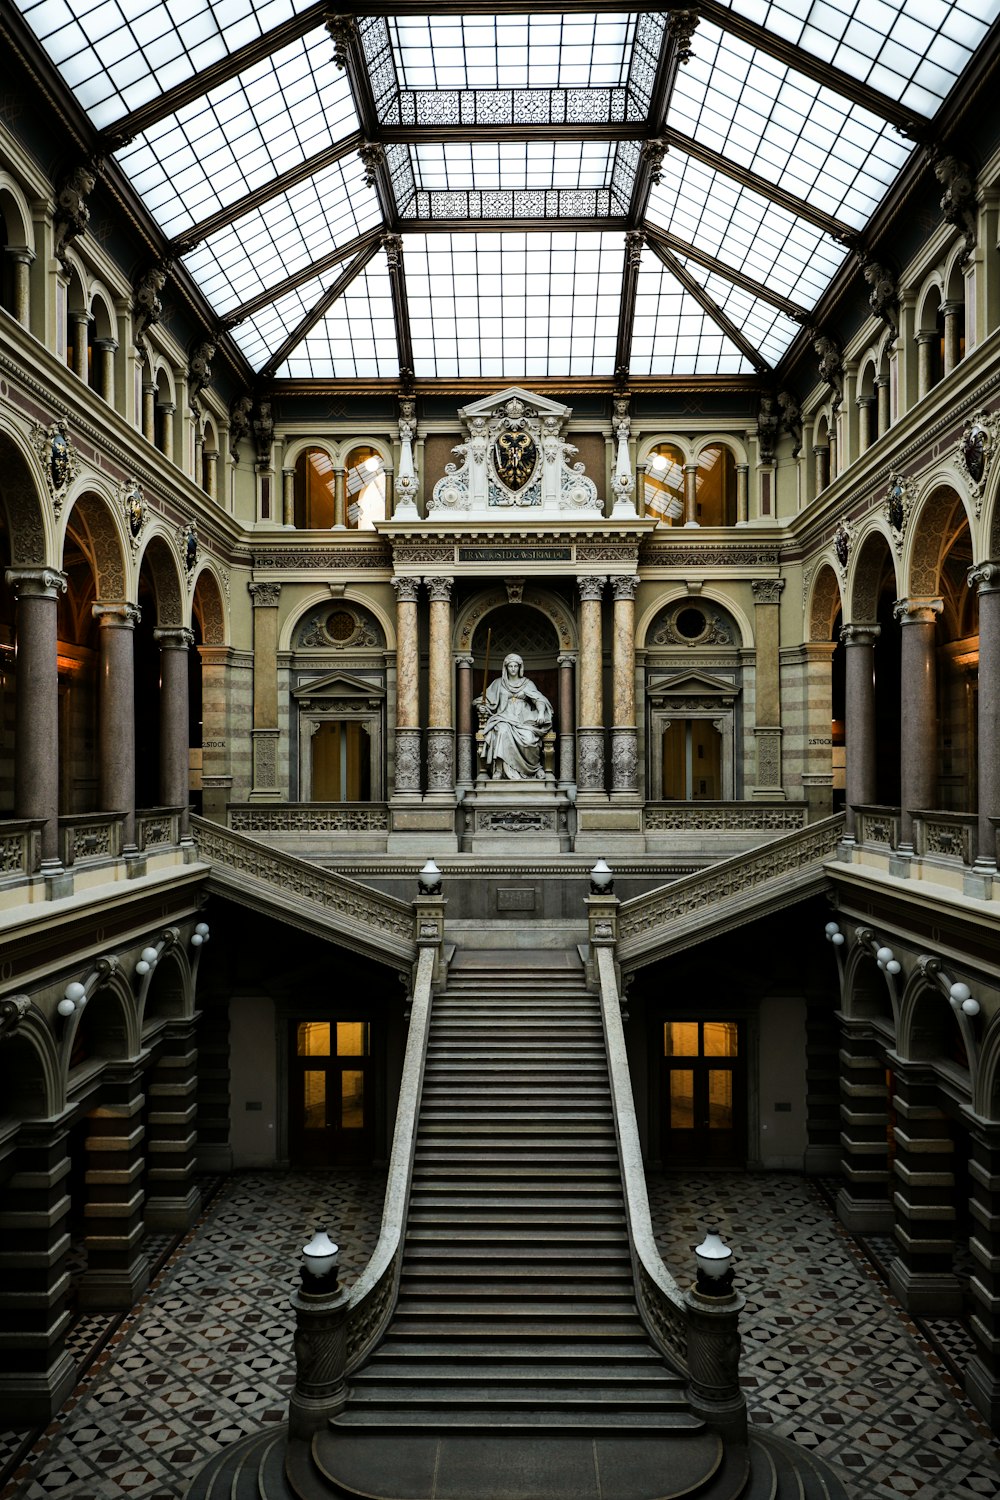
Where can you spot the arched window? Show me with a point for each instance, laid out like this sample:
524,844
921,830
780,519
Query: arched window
314,490
365,489
716,487
663,488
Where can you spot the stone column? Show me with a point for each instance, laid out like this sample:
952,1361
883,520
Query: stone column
925,361
590,733
116,713
407,773
567,738
22,258
952,338
821,467
210,464
864,1204
80,323
117,1269
922,1275
742,494
223,721
36,752
36,1372
691,495
173,1198
986,576
767,727
149,412
867,422
982,1374
266,598
466,727
104,352
168,411
859,718
174,643
440,724
339,500
918,712
882,404
199,450
624,759
288,497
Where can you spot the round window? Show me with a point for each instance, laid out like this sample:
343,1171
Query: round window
340,626
690,623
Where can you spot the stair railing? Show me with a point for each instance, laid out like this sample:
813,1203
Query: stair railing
373,1297
660,1300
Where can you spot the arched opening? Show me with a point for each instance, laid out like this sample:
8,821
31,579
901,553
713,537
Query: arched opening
103,344
365,477
8,673
826,690
526,631
663,484
867,403
15,260
315,485
77,328
209,476
930,343
821,456
953,320
163,414
693,712
78,656
159,599
958,675
715,486
208,697
888,687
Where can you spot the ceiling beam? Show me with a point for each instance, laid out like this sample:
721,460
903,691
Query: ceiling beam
634,241
659,237
760,185
182,243
299,278
350,55
320,310
393,247
712,308
905,120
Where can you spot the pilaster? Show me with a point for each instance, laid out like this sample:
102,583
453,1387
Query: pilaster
172,1196
863,1202
117,1269
922,1275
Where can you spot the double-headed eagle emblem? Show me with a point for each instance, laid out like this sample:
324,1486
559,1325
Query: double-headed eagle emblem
514,458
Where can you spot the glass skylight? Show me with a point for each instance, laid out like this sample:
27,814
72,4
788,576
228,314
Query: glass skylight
265,331
514,304
356,339
911,52
512,52
118,54
287,234
241,134
718,216
490,165
766,327
673,335
783,126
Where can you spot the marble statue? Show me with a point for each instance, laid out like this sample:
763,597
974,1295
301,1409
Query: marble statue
515,719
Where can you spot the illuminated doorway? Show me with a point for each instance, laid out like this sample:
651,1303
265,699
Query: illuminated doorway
704,1094
330,1103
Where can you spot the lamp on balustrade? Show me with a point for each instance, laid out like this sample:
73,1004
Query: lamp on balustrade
319,1264
429,880
714,1260
602,879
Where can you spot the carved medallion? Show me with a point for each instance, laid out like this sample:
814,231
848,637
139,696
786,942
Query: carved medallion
187,538
842,544
136,510
54,448
514,458
897,510
975,451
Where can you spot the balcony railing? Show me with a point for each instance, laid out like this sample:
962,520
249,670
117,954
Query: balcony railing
90,838
876,827
20,848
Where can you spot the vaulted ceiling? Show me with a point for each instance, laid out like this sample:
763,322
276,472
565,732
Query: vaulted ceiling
554,189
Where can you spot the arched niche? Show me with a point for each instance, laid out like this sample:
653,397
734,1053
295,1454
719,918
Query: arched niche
30,1084
693,693
166,994
338,691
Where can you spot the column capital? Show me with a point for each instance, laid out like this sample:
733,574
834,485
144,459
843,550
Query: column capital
439,589
123,616
36,583
986,575
624,587
767,590
265,595
22,253
173,637
917,611
591,586
407,590
860,634
566,659
466,662
865,401
109,344
926,336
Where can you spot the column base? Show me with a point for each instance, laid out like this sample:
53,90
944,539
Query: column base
820,1161
862,1215
982,1386
33,1398
979,882
934,1292
173,1213
58,880
901,862
113,1290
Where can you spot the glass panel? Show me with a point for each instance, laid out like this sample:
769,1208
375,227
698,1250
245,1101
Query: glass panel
264,331
365,489
357,338
663,487
672,334
512,52
490,165
313,1039
352,1099
352,1036
720,1099
681,1099
764,325
314,1100
720,1039
680,1039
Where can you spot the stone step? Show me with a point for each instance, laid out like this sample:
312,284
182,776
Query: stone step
531,1238
575,1353
496,1200
526,1419
549,1306
486,1397
506,1374
565,1259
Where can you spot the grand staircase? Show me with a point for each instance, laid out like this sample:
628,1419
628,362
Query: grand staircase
516,1366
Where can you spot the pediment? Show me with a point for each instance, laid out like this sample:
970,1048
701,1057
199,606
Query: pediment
486,405
338,685
692,684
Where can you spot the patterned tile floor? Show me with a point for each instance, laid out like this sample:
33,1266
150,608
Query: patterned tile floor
829,1360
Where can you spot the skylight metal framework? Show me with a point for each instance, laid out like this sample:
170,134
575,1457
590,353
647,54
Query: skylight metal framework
433,190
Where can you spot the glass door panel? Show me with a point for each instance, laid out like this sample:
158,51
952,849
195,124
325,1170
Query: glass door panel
330,1112
703,1094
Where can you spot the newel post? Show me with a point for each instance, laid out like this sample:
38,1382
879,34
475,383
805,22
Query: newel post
713,1342
320,1306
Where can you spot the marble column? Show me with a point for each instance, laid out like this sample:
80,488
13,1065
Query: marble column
288,497
952,336
266,598
210,465
982,1373
882,404
742,494
590,732
104,352
174,643
922,1275
986,578
624,737
918,712
440,724
173,1198
691,495
466,726
567,738
116,713
859,718
925,361
407,767
168,412
80,324
864,1202
36,1372
36,750
821,467
767,727
867,422
339,500
22,258
149,412
117,1269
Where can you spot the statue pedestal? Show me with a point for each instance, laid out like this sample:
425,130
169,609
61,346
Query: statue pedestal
515,817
